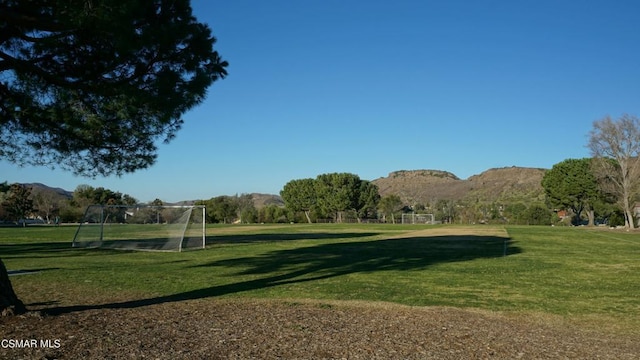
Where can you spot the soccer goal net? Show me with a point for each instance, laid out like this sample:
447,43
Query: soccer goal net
418,219
142,227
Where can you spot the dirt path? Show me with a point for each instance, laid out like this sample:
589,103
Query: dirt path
248,329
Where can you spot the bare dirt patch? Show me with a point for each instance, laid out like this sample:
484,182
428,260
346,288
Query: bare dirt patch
263,329
495,231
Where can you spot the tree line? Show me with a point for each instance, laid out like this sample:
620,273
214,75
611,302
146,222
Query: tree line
339,197
241,209
603,189
19,202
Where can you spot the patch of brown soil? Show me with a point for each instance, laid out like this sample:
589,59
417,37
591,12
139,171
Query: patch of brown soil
495,231
252,329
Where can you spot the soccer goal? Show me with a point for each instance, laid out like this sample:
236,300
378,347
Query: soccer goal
142,227
418,219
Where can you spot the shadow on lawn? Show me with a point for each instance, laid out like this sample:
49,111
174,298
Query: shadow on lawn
324,261
47,250
268,237
37,250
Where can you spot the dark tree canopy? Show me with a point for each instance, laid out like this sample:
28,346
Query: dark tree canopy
19,203
571,185
300,195
93,86
332,194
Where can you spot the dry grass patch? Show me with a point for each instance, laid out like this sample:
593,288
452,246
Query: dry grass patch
495,231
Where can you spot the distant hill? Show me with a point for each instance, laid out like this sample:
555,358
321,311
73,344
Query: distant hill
508,184
262,200
38,188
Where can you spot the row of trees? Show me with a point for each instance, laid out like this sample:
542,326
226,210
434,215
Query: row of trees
469,211
603,188
586,194
332,196
337,196
606,186
231,209
19,202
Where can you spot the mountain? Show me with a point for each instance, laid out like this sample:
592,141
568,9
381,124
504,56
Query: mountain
38,188
508,184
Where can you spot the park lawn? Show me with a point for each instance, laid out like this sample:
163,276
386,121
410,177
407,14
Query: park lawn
590,275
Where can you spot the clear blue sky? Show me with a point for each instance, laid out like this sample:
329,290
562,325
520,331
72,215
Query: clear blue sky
370,87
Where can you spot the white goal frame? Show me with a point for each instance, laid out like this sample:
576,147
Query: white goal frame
91,230
414,218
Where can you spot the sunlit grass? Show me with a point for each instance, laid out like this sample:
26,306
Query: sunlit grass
571,272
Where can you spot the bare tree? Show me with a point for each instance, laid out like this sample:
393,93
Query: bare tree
615,145
47,203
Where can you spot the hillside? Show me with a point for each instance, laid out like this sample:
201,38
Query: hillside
509,184
427,186
262,200
38,188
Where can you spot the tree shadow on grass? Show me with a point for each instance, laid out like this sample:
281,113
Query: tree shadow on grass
34,250
46,250
271,237
328,260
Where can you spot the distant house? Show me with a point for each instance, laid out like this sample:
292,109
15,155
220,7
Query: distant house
562,213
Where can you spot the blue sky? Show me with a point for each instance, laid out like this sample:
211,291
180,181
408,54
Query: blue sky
370,87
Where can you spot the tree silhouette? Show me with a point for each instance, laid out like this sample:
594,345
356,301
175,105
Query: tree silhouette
91,86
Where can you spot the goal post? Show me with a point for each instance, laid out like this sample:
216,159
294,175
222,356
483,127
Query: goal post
142,227
413,218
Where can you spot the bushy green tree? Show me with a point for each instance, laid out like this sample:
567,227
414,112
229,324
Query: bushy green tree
368,200
570,185
332,194
245,209
86,195
337,193
272,214
446,211
300,195
538,214
221,209
390,205
18,203
515,213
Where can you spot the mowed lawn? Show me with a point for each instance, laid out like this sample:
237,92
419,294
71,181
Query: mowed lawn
590,275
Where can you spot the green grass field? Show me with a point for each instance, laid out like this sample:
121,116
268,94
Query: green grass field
591,275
